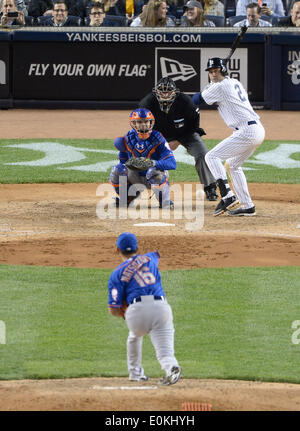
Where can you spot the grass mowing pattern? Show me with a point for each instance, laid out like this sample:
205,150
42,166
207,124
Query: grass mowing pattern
232,323
55,173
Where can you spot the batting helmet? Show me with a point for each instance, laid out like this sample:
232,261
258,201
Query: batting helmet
216,62
165,92
142,121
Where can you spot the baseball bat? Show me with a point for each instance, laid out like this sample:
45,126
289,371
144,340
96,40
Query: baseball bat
236,42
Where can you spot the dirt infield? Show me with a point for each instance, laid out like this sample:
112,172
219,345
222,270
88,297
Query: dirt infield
56,224
67,232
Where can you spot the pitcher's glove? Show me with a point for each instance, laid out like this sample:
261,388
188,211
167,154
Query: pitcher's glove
140,163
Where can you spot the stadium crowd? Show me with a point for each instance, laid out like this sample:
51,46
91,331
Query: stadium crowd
150,13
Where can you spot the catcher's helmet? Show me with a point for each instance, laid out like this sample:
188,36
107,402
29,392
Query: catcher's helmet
142,121
216,62
165,92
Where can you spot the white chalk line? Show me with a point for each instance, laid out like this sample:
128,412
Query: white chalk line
124,388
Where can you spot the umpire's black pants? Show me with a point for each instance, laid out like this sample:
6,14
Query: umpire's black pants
197,149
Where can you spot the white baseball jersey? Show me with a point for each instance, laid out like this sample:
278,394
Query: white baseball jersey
232,100
235,109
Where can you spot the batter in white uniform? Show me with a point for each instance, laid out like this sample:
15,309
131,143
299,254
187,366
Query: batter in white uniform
237,112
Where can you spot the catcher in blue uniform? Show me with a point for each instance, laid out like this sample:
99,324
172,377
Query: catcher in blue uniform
145,158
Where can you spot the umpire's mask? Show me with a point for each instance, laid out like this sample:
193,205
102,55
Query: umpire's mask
165,92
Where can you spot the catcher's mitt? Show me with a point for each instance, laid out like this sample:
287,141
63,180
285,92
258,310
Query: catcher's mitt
140,163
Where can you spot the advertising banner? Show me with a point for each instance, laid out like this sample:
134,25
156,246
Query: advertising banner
60,71
291,74
113,72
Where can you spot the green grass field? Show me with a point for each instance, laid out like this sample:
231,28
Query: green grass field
232,323
92,153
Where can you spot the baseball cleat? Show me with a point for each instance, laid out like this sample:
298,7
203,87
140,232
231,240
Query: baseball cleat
211,193
226,203
173,377
139,379
249,212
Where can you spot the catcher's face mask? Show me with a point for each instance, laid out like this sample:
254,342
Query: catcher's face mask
165,92
142,121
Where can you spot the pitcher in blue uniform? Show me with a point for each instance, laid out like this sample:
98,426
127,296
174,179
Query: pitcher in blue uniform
143,141
136,285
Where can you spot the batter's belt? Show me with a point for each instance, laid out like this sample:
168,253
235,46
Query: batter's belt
249,124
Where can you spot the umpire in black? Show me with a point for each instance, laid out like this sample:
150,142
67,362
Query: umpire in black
177,118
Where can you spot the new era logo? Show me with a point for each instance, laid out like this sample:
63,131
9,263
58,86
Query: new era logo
2,72
180,64
177,71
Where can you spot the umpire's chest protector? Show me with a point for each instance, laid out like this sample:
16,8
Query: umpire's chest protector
176,122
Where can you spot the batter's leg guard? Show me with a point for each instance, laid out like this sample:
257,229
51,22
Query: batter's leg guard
223,187
158,181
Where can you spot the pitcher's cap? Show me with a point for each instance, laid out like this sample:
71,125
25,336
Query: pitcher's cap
127,242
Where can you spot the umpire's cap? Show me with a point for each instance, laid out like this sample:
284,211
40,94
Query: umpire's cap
216,62
127,242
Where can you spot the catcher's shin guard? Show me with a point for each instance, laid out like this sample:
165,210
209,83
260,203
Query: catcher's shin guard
163,196
118,179
160,186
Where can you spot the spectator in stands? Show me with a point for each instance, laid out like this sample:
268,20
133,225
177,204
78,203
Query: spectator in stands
96,14
60,16
294,19
20,5
253,17
213,7
154,14
194,16
98,17
289,6
38,8
268,7
8,6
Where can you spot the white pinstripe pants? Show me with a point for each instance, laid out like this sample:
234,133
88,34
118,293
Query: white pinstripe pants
235,150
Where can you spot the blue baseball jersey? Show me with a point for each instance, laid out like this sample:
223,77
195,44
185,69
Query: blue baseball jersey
135,277
154,148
